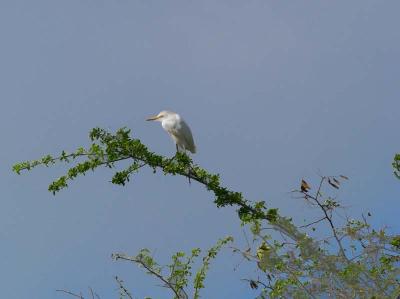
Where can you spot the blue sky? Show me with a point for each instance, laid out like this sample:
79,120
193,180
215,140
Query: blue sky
274,92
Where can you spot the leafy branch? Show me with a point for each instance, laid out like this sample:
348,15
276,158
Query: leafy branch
300,270
107,149
179,271
365,262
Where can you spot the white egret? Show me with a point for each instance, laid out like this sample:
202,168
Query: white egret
177,128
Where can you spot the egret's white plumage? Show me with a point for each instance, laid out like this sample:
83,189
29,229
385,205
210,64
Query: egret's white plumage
177,128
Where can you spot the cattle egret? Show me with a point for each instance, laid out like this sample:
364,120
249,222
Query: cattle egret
177,128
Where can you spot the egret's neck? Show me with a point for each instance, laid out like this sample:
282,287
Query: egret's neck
170,122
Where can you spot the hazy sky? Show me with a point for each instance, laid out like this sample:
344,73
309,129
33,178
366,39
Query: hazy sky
274,91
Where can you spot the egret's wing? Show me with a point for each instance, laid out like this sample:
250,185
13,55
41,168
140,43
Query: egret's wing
186,133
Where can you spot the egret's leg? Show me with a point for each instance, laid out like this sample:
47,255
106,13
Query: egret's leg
189,171
177,151
174,157
190,167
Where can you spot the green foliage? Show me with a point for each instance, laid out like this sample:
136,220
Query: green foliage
201,273
396,242
176,275
351,261
396,165
107,149
294,265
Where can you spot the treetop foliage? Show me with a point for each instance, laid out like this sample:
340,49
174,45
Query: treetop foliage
352,260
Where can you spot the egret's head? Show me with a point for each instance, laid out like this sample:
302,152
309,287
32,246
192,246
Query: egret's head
161,116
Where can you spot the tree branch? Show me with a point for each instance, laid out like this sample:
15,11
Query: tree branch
328,218
117,256
72,294
314,222
123,289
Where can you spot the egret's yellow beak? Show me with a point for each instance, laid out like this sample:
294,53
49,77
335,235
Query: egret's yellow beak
153,118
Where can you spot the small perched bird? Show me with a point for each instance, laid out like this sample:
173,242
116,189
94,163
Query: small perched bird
177,128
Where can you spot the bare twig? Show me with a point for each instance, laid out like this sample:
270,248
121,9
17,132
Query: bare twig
329,219
122,288
314,222
72,294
